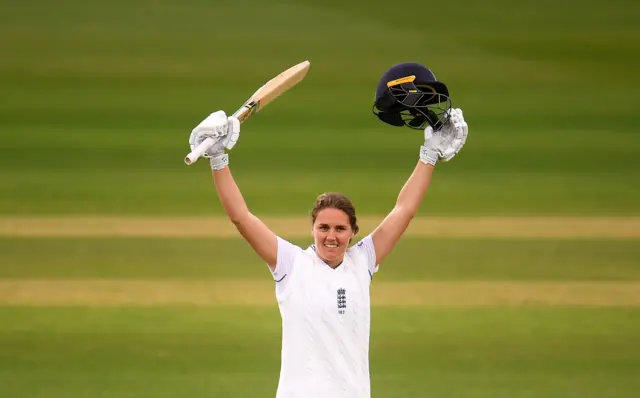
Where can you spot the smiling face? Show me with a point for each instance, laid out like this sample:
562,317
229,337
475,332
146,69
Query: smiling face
333,225
332,233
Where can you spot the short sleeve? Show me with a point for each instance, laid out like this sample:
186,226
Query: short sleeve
285,259
366,247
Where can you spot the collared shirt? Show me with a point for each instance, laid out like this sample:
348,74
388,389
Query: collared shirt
325,321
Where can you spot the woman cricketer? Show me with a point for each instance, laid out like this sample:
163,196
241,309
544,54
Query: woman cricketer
323,290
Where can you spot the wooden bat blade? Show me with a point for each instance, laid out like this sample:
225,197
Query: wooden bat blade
272,90
258,100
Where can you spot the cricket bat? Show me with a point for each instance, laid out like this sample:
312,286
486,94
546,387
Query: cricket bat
258,100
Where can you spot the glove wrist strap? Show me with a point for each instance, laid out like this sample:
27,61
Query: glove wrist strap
219,162
428,156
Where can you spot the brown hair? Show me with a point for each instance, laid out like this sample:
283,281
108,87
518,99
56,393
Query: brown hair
337,201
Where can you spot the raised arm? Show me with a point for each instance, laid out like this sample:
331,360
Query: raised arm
225,131
387,234
257,234
442,145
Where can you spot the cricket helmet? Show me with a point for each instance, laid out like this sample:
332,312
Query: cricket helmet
408,94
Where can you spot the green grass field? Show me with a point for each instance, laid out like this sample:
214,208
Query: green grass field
200,352
204,259
97,101
99,98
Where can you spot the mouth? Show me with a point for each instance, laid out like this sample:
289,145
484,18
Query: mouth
331,245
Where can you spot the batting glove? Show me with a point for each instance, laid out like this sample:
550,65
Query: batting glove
225,132
445,143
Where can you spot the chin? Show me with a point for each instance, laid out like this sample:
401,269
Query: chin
333,256
328,256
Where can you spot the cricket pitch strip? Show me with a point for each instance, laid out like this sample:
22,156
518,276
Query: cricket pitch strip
154,293
220,227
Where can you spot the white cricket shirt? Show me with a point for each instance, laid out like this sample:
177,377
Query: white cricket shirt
325,322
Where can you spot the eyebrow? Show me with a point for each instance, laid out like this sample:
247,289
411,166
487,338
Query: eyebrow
337,225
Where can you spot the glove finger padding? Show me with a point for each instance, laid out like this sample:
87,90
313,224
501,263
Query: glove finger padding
454,136
233,132
213,124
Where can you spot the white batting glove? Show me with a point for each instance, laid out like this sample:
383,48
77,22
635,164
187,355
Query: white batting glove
225,131
453,135
445,143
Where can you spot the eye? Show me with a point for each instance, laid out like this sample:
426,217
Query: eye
341,228
324,228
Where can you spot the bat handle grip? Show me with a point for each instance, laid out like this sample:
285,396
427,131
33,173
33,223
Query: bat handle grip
194,155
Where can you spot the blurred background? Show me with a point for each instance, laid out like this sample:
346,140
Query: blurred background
520,277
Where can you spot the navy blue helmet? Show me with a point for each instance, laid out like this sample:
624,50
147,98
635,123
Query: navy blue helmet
408,94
